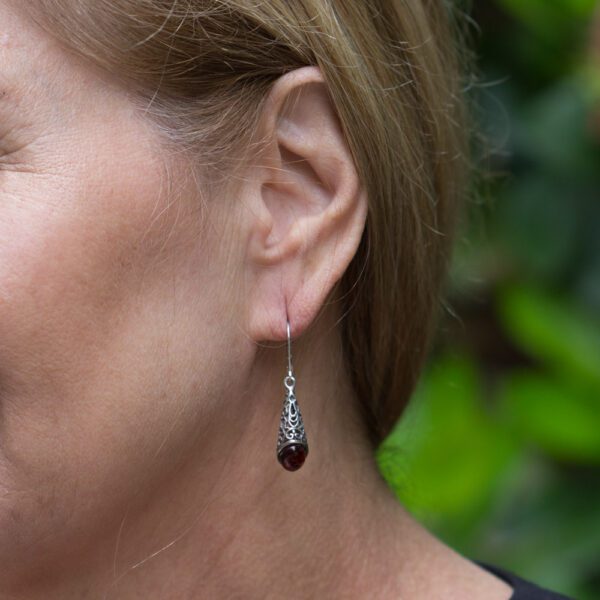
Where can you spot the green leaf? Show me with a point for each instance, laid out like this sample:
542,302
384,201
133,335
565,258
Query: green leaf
553,331
562,418
446,456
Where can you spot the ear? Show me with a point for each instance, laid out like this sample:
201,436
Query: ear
308,208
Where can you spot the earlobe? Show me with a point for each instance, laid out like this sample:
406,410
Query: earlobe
310,208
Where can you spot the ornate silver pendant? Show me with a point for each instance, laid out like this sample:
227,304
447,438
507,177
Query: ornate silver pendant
292,446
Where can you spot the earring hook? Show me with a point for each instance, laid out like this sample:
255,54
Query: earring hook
289,347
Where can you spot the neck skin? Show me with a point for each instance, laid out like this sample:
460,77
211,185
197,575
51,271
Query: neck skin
232,523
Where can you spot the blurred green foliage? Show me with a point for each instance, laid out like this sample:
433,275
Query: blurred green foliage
499,450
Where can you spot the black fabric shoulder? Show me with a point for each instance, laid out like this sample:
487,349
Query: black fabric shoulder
523,589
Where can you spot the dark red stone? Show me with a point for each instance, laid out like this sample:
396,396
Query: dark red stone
292,457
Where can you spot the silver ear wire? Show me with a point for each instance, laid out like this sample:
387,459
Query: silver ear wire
292,447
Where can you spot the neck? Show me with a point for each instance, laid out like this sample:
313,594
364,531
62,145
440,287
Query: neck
230,522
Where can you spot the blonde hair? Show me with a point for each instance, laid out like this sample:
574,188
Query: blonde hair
393,71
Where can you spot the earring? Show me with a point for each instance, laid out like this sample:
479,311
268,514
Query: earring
292,447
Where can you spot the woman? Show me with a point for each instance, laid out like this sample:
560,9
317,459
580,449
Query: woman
184,184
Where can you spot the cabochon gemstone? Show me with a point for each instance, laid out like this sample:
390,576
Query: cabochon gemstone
292,457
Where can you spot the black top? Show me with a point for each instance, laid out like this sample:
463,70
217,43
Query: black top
523,590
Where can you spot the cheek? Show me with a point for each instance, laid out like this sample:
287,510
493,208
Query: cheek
116,346
114,340
66,251
77,303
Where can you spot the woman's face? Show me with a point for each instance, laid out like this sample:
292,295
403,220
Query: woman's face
114,341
